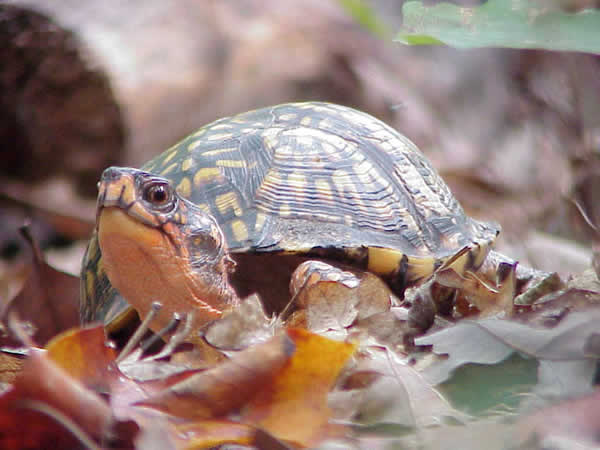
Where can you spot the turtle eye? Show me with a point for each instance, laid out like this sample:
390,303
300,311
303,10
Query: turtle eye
158,194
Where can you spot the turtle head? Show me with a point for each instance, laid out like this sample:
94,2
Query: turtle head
158,246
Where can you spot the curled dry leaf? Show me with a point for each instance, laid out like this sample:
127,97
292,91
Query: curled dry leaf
489,300
49,300
241,327
280,386
491,340
395,392
293,407
225,388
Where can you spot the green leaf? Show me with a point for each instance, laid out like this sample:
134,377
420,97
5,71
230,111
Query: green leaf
366,17
501,23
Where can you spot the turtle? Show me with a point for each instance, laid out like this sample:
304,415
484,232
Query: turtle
285,184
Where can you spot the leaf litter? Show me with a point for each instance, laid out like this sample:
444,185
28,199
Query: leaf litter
344,363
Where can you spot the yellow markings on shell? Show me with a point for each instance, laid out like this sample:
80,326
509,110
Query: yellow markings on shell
204,207
219,151
296,180
169,169
239,229
178,218
306,121
168,158
92,250
260,221
89,282
285,211
232,163
205,174
185,187
227,201
324,188
185,165
198,133
383,261
218,136
272,180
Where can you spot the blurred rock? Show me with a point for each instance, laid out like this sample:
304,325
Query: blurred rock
57,111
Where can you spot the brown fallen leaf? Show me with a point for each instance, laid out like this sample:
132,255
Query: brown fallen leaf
227,387
489,300
331,299
385,389
49,300
280,386
575,421
293,407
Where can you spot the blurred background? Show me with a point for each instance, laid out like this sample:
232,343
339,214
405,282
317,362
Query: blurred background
84,85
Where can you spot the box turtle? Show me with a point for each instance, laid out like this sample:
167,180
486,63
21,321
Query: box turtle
280,185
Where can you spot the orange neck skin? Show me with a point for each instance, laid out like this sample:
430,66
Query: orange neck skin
148,264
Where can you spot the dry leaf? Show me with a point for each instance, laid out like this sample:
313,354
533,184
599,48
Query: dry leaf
84,354
293,407
396,393
227,387
42,382
212,433
49,299
241,327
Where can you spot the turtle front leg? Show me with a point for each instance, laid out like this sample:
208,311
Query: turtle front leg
327,297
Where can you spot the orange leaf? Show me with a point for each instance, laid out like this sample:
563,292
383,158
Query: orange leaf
84,354
294,406
227,387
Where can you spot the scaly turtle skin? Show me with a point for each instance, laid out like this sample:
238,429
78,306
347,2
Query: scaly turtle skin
310,180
